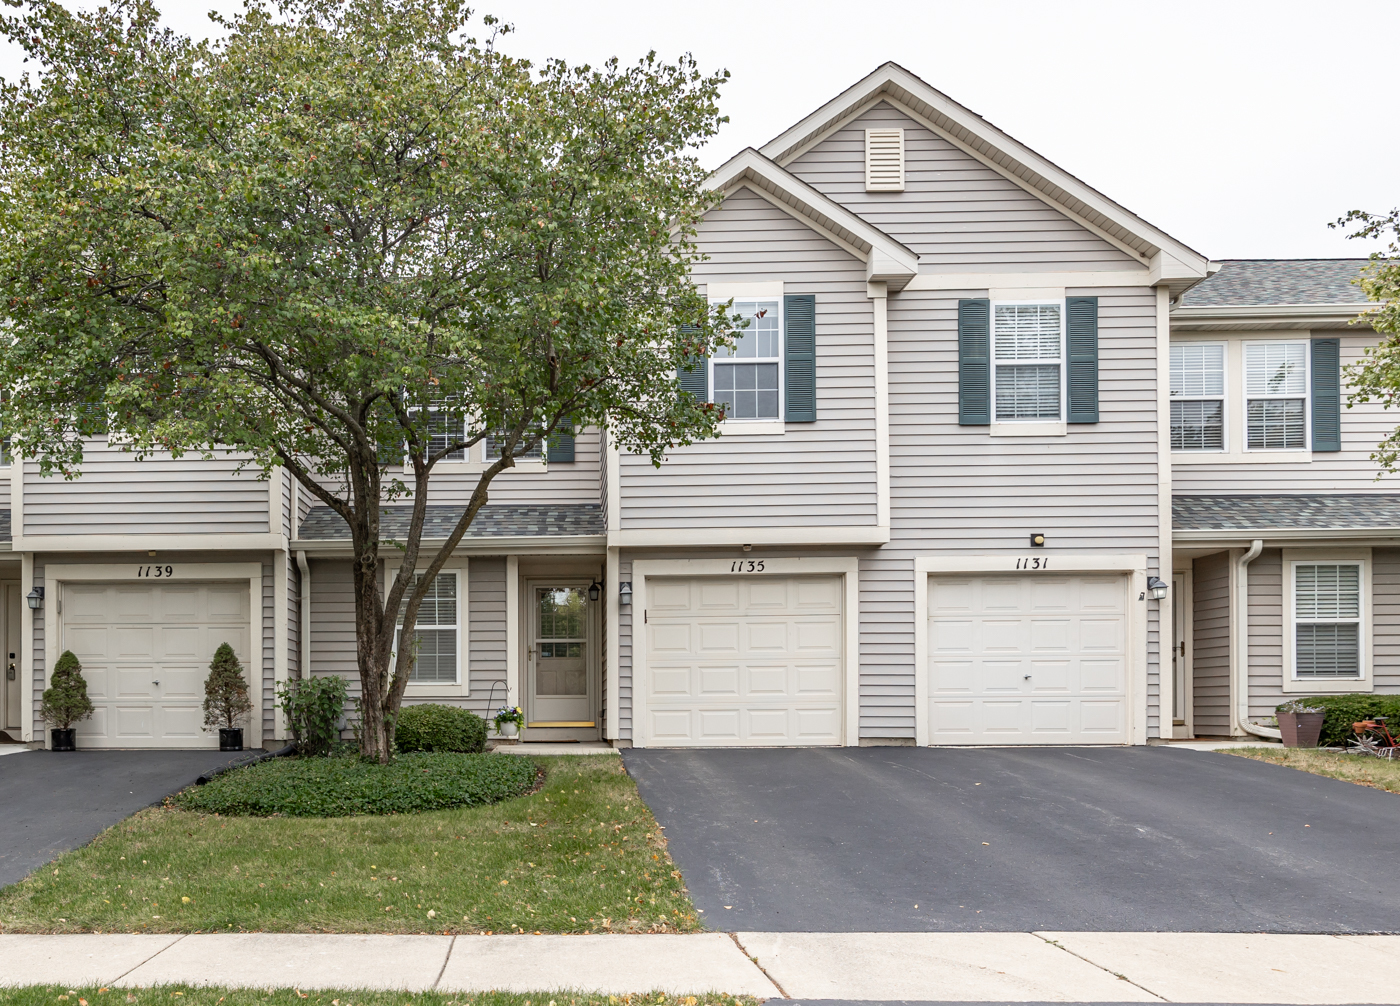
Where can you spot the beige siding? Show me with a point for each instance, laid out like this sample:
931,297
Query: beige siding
1266,632
1211,665
955,212
117,494
1348,470
1385,618
820,473
486,635
333,620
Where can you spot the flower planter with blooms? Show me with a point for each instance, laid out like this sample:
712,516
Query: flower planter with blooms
1300,724
508,720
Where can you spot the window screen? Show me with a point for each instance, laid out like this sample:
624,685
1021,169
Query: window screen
1026,346
1327,616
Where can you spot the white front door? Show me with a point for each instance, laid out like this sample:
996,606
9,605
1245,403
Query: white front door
744,661
1028,659
145,651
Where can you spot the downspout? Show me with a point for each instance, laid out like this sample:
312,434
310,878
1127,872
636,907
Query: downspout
304,610
1239,627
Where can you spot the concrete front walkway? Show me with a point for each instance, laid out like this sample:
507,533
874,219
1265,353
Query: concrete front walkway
962,967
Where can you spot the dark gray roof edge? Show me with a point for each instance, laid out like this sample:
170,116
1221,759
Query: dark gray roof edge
1266,512
498,520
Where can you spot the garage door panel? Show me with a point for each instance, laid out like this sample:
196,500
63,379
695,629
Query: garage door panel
88,642
84,603
1039,659
181,682
183,642
127,604
783,684
178,604
134,722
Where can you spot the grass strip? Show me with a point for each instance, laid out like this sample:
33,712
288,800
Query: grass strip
213,995
1360,769
347,786
581,855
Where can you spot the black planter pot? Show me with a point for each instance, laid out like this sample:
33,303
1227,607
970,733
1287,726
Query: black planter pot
62,740
230,739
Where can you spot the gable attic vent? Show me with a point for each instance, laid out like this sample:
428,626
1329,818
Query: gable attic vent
884,160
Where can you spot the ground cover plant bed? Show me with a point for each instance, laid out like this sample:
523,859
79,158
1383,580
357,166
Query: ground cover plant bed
340,787
1378,773
214,995
581,854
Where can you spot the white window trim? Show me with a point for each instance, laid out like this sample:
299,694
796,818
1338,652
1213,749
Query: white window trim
1292,558
1245,398
461,687
737,426
1051,426
1223,398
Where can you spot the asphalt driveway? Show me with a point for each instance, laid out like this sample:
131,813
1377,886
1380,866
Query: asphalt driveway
1019,840
51,802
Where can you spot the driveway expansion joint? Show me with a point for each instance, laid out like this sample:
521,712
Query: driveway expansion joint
1122,977
743,950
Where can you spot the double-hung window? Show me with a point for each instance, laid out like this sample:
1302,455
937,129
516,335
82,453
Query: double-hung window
1276,396
445,429
436,632
1198,396
1327,614
1028,357
747,380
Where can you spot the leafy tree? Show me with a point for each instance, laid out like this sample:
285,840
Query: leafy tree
351,241
225,690
66,701
1377,377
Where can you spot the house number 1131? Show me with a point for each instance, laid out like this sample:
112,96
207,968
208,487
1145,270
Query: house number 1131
1036,563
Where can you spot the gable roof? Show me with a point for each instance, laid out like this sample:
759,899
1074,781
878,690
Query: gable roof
886,260
1170,259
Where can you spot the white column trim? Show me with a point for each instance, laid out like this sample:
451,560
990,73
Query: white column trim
614,500
878,294
26,658
1166,683
275,490
612,686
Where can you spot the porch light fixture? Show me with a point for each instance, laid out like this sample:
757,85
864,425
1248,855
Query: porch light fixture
1037,539
35,598
1156,588
624,592
595,589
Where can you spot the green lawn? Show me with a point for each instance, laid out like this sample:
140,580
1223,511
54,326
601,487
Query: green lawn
582,855
190,995
1360,769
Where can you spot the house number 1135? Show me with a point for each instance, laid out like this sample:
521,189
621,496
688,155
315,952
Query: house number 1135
746,566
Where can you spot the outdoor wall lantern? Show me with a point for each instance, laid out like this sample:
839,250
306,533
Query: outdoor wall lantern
624,592
595,589
1156,589
1037,539
35,598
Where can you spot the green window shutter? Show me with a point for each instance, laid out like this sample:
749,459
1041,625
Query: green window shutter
800,358
561,443
974,362
695,375
1082,379
1327,394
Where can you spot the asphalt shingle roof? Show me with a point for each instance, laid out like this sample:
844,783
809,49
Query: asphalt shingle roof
1257,282
1281,512
494,521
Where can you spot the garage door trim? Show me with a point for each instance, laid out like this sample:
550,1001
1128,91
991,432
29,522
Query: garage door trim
1030,563
57,574
848,568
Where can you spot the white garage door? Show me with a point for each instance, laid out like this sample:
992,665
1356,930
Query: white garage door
1028,660
744,661
145,651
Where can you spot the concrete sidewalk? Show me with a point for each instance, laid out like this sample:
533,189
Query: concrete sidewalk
961,967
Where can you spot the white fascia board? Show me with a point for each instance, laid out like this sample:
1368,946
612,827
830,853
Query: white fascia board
887,260
1009,155
1275,315
868,534
1276,537
244,542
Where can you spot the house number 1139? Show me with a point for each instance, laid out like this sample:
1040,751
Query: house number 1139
155,571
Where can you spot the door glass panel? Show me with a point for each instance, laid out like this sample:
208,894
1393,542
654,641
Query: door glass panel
560,668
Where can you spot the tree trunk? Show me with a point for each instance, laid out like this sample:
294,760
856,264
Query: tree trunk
374,642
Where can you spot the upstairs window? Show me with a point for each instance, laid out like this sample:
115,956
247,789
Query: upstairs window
747,380
1276,396
1327,620
1027,352
445,429
493,450
436,632
1198,396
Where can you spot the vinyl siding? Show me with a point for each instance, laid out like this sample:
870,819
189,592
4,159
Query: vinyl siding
815,474
624,658
269,649
117,494
955,212
486,636
1385,618
40,665
572,482
1211,665
1348,470
1266,632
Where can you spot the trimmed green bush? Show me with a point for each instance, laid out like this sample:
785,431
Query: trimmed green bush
435,727
346,786
314,707
1344,710
66,699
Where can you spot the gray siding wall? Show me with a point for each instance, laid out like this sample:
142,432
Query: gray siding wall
1348,470
955,212
41,669
820,473
1385,618
118,494
486,636
1211,664
269,648
574,482
624,660
1266,632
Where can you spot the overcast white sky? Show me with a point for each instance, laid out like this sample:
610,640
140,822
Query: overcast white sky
1241,128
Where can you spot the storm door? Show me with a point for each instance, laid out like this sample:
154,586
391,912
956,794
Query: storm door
561,687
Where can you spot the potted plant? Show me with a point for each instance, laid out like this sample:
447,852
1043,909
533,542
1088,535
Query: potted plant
1300,724
65,702
508,720
226,698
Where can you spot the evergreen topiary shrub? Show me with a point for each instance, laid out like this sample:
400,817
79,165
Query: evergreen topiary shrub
435,727
66,699
225,690
1341,711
